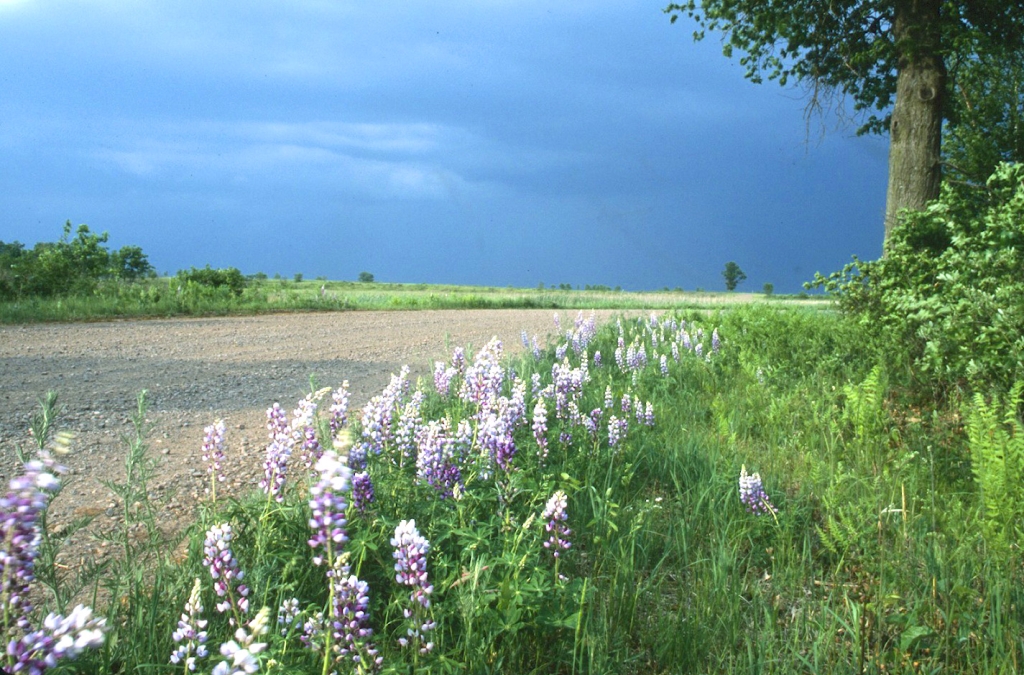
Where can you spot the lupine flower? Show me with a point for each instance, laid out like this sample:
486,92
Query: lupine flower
686,341
312,629
288,615
443,378
649,414
190,636
540,428
625,404
675,352
62,638
327,502
459,359
224,568
241,652
609,400
525,338
20,511
362,491
716,343
435,458
350,613
483,380
303,427
616,430
638,406
560,351
664,365
339,409
408,423
752,493
279,451
556,517
536,347
213,454
597,359
411,570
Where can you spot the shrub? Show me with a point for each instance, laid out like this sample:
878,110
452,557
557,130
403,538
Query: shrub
366,277
950,288
229,279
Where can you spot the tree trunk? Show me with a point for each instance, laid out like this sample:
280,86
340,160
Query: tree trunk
916,133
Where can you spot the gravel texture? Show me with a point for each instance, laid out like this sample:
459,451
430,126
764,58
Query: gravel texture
199,370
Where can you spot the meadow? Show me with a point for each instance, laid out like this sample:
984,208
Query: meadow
736,490
175,297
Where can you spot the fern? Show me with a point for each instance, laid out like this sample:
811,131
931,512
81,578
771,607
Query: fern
863,409
996,438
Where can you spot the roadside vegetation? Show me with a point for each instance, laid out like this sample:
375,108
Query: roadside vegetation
762,488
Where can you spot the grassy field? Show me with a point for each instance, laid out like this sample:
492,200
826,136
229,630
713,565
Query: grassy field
167,297
734,491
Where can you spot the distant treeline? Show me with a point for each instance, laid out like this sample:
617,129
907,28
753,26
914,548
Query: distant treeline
74,265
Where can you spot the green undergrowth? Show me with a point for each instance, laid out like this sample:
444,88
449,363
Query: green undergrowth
886,549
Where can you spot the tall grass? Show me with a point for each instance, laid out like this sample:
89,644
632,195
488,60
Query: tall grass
879,557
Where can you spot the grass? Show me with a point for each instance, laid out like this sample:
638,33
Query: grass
166,298
883,555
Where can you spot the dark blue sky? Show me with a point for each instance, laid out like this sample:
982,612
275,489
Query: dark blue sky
504,143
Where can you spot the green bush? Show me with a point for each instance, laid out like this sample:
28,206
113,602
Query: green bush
947,299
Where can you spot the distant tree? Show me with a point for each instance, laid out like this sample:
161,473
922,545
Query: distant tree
769,288
130,264
298,277
366,277
540,286
733,275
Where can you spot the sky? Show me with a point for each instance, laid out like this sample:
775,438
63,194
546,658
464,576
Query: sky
493,142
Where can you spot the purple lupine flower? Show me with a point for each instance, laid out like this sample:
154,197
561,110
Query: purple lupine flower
241,652
288,615
21,509
435,458
675,352
664,365
625,403
459,359
483,380
443,378
560,351
540,428
593,421
698,349
649,414
616,430
685,339
752,493
525,338
312,630
350,615
303,427
411,570
609,399
556,517
339,409
716,343
536,347
408,423
189,635
213,454
223,569
362,491
597,359
495,435
327,502
558,323
61,638
279,452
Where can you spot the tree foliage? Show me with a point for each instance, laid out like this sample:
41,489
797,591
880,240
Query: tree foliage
845,47
948,297
72,265
733,275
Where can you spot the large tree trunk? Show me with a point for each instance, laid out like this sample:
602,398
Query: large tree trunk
916,132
